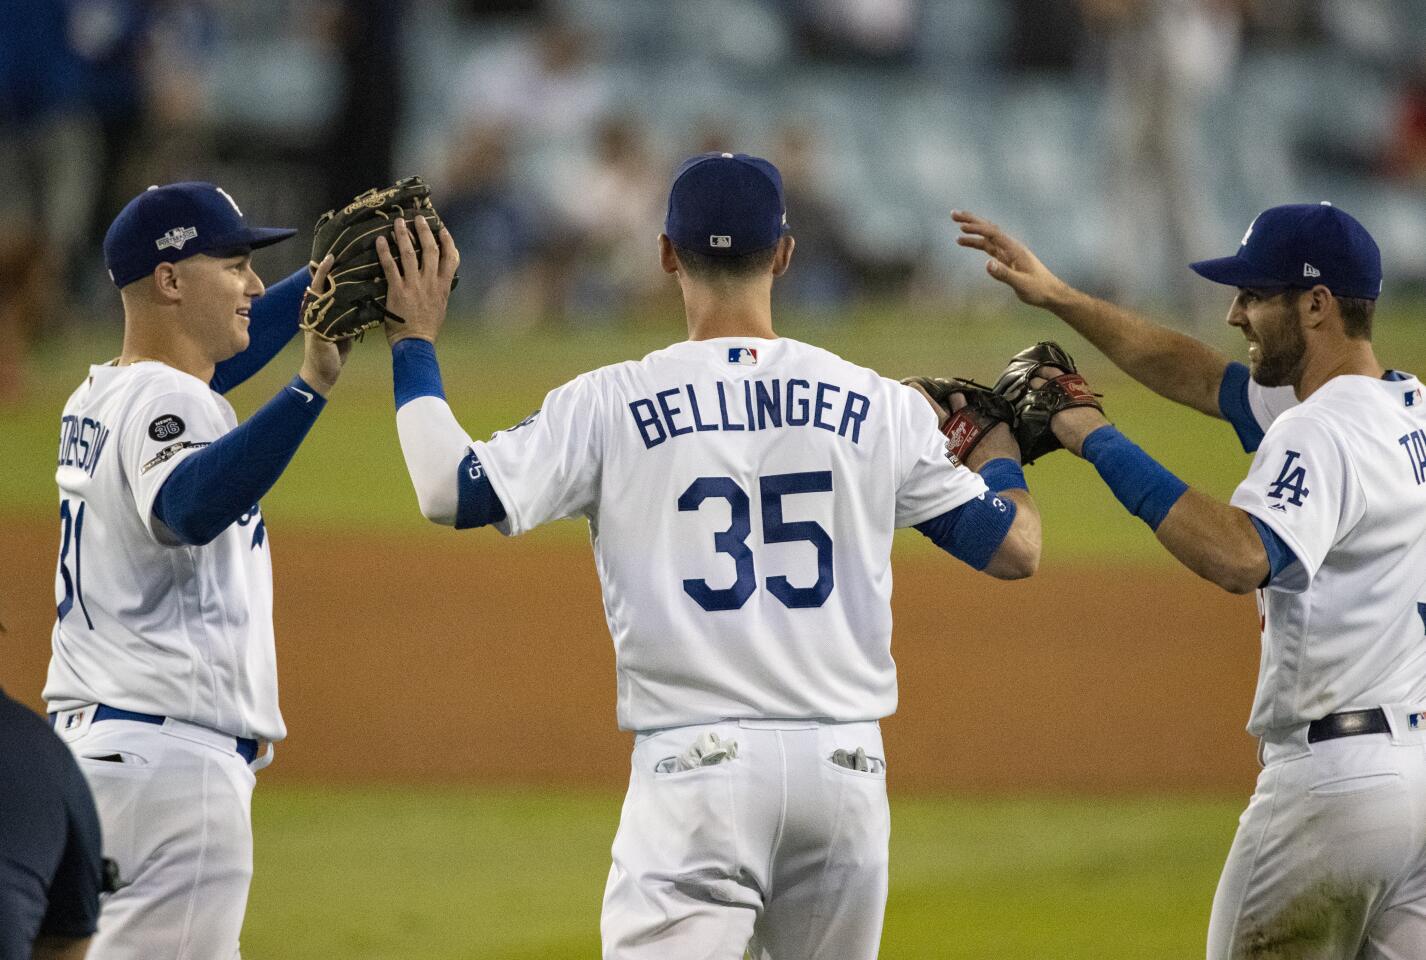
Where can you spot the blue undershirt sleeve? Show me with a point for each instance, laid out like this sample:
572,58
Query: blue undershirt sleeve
478,504
973,531
214,487
273,322
1233,404
1280,555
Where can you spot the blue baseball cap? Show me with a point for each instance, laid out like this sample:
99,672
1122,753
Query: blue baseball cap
170,223
1302,245
726,205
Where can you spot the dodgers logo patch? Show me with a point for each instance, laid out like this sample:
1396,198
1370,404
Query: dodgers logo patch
1291,481
166,427
745,356
177,237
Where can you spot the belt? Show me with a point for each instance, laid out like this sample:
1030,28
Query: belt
246,746
1352,723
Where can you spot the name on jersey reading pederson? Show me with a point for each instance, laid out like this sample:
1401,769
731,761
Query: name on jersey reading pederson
81,441
750,406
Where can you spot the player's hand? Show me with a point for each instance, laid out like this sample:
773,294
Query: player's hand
417,292
1072,424
998,440
322,360
1011,262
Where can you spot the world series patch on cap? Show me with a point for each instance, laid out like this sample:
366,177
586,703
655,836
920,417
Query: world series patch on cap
1302,245
170,223
726,205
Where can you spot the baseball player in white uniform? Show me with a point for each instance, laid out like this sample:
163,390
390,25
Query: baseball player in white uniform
163,679
1329,527
741,490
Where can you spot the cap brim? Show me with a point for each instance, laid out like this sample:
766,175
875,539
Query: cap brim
251,237
1235,272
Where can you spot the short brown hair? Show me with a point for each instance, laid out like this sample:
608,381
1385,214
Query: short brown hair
1357,316
710,268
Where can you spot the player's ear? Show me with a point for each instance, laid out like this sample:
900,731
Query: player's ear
668,259
783,255
1316,304
165,283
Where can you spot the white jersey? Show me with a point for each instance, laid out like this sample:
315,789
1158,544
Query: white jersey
146,624
1341,478
742,495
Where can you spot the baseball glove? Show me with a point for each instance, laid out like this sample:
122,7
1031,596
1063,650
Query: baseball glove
964,427
1035,407
355,298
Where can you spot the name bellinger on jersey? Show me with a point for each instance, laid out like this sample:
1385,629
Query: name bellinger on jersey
760,405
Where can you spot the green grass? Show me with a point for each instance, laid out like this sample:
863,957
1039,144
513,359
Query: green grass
495,377
370,874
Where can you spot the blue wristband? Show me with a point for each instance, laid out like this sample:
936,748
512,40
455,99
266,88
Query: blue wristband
1003,474
1145,487
414,371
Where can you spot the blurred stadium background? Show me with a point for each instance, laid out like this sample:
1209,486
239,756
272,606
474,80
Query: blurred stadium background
1069,760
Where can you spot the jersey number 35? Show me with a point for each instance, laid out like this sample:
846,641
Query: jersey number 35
734,540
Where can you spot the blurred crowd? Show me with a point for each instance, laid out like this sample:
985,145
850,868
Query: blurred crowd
1125,137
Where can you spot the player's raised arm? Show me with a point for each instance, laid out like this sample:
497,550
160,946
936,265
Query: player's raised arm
1221,543
1169,363
451,487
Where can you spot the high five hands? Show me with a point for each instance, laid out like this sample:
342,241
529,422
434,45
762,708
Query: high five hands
417,289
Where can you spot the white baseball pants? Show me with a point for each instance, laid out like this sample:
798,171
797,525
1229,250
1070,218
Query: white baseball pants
778,851
1329,862
176,817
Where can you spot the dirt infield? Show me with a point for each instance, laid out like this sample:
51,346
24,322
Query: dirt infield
463,657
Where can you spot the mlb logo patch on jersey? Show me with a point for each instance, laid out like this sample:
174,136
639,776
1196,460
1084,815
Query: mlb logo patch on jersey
1417,720
747,356
1413,397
